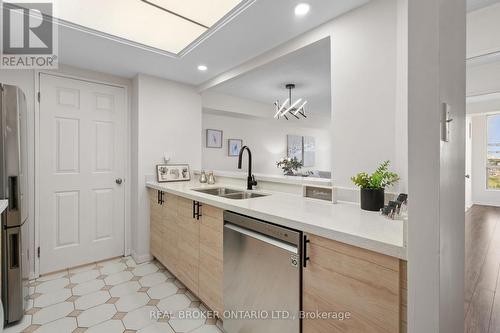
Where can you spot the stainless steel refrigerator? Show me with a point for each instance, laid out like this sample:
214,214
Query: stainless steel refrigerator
13,187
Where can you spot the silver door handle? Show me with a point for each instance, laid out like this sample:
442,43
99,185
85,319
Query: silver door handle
119,181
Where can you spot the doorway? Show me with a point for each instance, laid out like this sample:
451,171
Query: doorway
82,162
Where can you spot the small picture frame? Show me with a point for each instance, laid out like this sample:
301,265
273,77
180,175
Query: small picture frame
234,147
172,173
214,138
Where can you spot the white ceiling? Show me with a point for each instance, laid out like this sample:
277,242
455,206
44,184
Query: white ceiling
308,68
476,4
259,28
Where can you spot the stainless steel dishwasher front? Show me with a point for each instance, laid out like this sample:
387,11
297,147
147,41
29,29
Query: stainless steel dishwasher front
262,276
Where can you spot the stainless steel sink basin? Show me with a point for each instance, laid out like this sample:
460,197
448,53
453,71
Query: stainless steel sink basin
219,191
229,193
244,195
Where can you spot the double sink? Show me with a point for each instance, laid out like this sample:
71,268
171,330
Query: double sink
230,193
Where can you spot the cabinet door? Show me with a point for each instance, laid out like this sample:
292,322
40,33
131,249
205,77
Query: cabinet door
211,261
188,244
169,251
156,228
343,278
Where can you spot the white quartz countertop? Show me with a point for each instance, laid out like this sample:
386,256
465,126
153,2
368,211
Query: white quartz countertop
344,222
3,205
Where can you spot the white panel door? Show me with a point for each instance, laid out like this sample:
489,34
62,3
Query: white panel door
82,154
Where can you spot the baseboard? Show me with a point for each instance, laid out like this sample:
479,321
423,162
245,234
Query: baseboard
140,259
486,203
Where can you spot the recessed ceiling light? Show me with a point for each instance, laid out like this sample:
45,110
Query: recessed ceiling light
302,9
202,68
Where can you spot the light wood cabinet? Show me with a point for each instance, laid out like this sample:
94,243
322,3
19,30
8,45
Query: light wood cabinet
343,278
188,244
169,252
337,278
211,272
155,223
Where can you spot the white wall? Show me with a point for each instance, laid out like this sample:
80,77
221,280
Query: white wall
482,28
267,140
480,194
166,118
223,102
368,117
364,71
436,74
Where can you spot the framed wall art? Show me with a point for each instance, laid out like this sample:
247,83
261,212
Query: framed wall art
234,147
172,173
214,138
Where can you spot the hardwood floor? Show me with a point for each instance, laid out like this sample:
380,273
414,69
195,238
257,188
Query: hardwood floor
482,266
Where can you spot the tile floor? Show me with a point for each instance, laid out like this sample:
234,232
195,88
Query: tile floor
113,296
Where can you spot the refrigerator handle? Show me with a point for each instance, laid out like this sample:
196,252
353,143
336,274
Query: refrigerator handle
13,202
14,251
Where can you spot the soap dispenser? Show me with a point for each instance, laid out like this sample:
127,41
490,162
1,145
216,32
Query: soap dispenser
203,177
211,178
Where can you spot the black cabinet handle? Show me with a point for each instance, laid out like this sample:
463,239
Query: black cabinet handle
160,198
196,210
198,214
305,258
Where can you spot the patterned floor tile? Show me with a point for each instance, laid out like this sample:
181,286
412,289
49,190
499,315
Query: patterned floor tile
181,325
207,329
51,286
158,328
152,279
85,276
145,269
115,267
90,300
113,296
110,326
96,315
53,312
139,318
162,290
174,303
125,288
63,325
88,287
131,262
118,278
57,296
132,301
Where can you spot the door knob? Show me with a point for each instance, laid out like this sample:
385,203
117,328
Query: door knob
119,181
467,176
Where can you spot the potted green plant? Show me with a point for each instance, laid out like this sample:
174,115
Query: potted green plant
289,165
373,186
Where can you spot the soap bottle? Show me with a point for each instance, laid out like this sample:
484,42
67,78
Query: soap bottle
211,178
203,177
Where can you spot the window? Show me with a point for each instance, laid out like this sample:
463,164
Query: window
493,164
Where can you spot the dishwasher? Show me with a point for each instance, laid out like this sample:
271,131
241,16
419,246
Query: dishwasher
262,276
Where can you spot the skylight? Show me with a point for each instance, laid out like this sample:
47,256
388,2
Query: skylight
165,25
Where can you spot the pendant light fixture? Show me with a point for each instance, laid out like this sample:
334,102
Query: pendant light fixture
289,106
